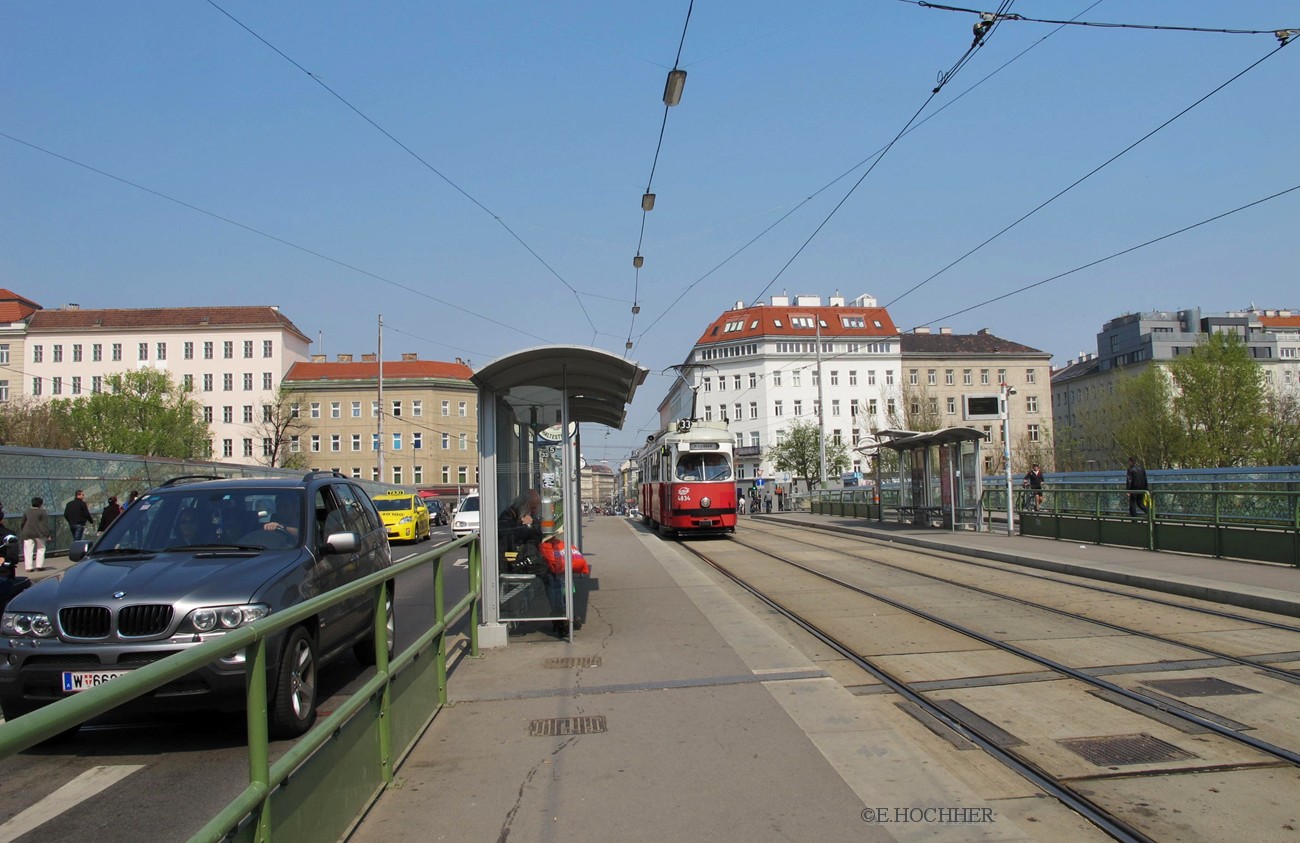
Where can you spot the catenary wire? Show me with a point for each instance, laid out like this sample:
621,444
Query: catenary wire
1159,27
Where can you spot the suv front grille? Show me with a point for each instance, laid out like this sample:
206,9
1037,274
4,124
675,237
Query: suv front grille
85,621
138,621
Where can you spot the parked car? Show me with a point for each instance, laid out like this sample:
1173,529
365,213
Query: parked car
404,514
466,519
187,563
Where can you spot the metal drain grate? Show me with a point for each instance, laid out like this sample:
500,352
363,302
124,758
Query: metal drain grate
559,726
1204,686
573,661
1122,750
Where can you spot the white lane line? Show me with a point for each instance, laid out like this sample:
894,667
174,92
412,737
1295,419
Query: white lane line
84,786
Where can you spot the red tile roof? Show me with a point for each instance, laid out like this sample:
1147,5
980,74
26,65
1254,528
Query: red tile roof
1291,322
15,308
260,316
394,370
793,321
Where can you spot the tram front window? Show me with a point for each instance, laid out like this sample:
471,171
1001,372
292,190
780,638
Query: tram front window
704,467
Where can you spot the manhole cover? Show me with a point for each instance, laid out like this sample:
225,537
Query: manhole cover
558,726
573,661
1121,750
1204,686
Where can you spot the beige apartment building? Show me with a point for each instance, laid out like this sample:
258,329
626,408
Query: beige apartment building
15,310
422,432
941,370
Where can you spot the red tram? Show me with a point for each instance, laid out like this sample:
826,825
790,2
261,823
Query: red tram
687,484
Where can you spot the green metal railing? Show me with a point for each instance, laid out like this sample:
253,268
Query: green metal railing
346,759
1241,523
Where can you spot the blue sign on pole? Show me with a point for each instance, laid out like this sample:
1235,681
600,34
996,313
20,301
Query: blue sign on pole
758,481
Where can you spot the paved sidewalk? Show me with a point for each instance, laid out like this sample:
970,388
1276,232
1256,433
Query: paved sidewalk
1253,585
690,712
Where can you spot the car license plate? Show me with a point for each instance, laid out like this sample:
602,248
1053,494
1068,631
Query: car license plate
83,680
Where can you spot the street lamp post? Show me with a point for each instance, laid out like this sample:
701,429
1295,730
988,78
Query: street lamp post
1004,407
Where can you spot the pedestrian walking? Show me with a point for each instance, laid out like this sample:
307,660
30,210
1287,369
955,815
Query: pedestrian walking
1034,482
110,513
77,514
1136,483
130,500
35,532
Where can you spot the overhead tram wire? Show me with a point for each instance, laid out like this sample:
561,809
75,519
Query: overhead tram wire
271,237
1091,264
416,156
1283,35
848,172
982,34
676,74
1088,175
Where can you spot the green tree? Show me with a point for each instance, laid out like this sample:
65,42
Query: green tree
1142,421
141,411
32,423
1281,439
799,453
280,424
1220,398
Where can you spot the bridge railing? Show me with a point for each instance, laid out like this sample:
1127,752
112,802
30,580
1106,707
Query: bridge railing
348,757
1238,522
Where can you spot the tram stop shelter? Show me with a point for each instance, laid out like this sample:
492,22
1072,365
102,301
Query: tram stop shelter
940,476
530,406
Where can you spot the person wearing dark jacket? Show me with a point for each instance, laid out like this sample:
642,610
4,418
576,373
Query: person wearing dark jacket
78,515
1136,483
110,513
35,532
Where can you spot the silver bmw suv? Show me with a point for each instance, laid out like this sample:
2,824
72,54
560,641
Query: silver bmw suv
187,563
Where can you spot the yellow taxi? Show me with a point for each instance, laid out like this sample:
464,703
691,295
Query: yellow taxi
404,514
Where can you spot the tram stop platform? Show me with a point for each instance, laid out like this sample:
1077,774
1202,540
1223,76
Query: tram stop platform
684,709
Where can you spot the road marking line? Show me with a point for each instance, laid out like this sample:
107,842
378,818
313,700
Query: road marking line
84,786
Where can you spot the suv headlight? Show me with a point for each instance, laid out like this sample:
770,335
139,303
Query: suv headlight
27,623
212,618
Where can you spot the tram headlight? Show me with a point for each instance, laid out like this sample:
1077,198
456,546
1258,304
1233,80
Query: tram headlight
705,502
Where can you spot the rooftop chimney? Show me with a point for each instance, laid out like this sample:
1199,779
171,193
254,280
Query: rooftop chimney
345,358
410,355
921,329
945,330
740,305
318,358
370,358
983,332
780,301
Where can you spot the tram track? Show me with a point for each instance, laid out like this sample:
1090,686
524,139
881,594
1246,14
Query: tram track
1264,667
972,727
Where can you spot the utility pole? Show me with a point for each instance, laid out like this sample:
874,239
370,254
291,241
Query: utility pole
379,451
821,405
1004,406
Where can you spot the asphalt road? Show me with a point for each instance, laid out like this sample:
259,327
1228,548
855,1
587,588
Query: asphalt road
161,777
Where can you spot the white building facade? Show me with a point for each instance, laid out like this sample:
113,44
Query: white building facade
764,366
232,358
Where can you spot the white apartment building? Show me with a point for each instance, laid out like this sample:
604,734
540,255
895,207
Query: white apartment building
233,358
764,366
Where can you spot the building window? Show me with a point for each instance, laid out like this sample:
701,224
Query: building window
446,441
753,409
295,444
248,349
795,377
417,474
708,412
356,441
266,447
798,407
912,377
1032,432
162,355
336,442
417,441
872,407
227,447
267,412
228,349
1031,403
464,441
76,385
736,378
835,378
776,378
96,353
1031,376
777,410
315,410
753,380
374,409
374,441
97,384
207,350
446,474
248,447
889,377
267,345
461,410
739,415
417,407
356,409
57,353
56,385
397,441
356,472
315,443
932,377
708,384
397,475
446,408
397,408
76,353
966,377
754,441
462,474
835,406
36,386
952,405
228,382
248,414
816,377
374,473
248,381
228,414
187,351
267,382
207,415
295,411
336,410
984,376
142,351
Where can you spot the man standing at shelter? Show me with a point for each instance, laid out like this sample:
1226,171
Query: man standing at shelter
77,515
1136,483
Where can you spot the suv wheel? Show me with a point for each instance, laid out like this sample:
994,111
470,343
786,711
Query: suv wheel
294,708
364,649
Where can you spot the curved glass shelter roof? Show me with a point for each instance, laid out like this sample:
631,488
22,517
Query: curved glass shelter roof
599,385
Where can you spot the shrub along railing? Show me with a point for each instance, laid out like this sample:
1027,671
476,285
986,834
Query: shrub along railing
1239,522
343,763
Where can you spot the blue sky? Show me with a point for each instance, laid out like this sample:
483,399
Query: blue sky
536,127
